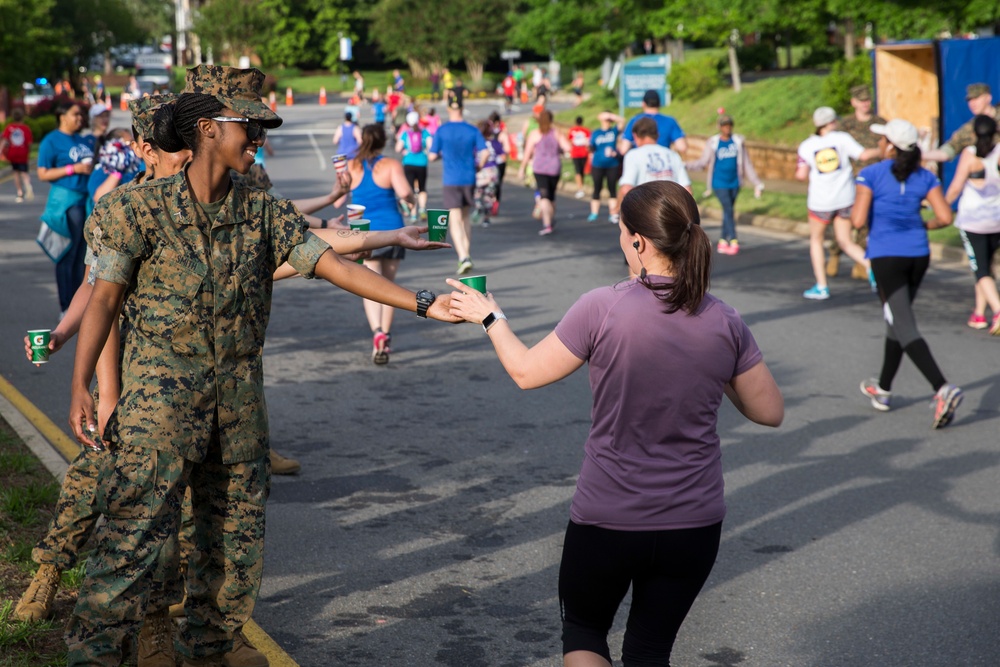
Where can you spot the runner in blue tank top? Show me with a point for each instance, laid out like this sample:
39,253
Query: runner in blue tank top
379,182
347,137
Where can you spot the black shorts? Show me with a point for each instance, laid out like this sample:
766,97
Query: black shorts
611,175
547,185
457,196
665,568
19,166
416,177
389,252
579,164
981,248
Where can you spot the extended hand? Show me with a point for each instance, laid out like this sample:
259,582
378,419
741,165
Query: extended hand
441,310
341,185
469,304
409,238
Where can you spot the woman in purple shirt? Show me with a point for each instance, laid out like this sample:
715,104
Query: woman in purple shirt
648,507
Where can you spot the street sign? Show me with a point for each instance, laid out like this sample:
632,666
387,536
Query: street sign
642,74
510,55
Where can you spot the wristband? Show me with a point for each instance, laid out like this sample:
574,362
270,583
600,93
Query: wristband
323,223
116,174
70,170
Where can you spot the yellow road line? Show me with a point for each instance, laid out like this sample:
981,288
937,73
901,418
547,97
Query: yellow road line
68,448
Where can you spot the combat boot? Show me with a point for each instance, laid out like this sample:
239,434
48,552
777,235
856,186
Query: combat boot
156,641
36,603
282,466
244,654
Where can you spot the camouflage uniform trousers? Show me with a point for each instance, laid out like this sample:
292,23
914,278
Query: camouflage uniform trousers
141,497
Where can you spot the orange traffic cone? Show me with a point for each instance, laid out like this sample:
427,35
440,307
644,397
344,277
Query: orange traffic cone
322,96
288,97
272,100
124,101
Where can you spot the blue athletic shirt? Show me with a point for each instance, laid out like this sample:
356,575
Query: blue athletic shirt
605,145
895,226
415,159
667,127
724,174
458,143
59,149
380,205
379,109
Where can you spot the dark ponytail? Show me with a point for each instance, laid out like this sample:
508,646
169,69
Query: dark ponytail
985,129
372,142
905,162
667,216
175,125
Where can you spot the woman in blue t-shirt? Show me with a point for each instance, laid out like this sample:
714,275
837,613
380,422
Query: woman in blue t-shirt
888,199
66,159
605,164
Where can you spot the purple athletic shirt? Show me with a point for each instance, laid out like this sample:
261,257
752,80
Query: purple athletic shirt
652,460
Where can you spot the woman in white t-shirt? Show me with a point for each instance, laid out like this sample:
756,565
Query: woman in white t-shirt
825,161
977,181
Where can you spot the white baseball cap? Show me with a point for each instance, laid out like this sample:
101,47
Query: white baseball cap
97,109
824,116
412,118
900,133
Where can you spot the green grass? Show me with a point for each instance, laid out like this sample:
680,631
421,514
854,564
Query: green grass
20,641
18,552
778,110
20,505
771,204
16,463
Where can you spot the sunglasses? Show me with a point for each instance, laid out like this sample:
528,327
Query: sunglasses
254,129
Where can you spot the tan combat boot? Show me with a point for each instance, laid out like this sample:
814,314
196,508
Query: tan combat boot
282,466
36,603
156,641
244,654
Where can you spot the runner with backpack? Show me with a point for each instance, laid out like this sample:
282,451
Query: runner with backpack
413,142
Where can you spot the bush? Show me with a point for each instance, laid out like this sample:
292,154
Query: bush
694,79
39,126
822,56
757,57
844,76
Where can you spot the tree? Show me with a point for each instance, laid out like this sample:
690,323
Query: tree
581,33
30,44
235,27
396,22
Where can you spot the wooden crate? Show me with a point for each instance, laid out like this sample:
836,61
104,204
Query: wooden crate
906,85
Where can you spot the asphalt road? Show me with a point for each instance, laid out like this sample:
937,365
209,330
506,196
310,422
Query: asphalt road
426,525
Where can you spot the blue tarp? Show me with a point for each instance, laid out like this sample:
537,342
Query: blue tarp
961,62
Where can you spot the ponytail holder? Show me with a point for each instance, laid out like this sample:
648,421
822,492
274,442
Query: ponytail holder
70,170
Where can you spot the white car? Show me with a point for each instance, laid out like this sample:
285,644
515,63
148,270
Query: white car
35,93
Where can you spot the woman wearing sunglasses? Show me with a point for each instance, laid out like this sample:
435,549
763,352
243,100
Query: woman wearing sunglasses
193,257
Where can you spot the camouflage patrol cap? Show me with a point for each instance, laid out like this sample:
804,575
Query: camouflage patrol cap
142,109
238,89
976,89
861,93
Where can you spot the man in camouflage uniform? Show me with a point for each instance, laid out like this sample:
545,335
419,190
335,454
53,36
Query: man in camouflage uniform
980,100
191,412
858,125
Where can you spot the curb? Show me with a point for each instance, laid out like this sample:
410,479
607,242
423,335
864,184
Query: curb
55,449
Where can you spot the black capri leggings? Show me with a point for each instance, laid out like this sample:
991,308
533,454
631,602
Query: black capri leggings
981,248
601,173
666,569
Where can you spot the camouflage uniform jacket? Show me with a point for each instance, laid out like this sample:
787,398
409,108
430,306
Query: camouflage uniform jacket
861,131
962,138
192,357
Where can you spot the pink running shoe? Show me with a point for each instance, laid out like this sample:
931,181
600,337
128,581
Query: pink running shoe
977,321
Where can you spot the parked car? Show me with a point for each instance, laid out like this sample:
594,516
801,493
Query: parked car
36,93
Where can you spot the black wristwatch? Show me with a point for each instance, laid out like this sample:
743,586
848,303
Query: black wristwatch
492,319
424,300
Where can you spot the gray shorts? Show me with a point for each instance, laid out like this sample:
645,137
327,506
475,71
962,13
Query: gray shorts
826,217
458,196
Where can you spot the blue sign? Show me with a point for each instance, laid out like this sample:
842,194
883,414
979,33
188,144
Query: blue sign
642,74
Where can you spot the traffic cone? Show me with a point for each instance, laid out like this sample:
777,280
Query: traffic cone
272,100
123,104
288,97
322,96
